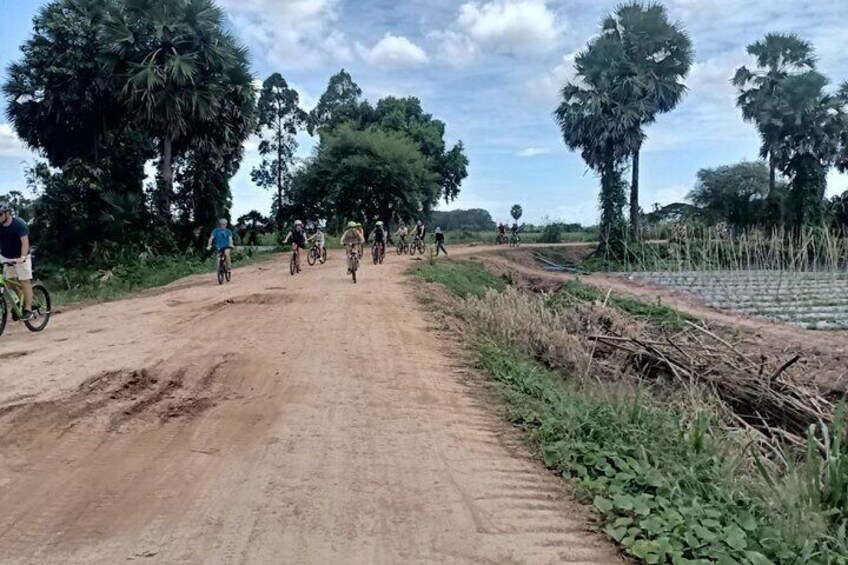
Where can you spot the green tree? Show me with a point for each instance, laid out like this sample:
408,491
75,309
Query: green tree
811,125
365,174
341,102
173,58
465,220
777,56
20,204
653,57
735,194
406,115
251,226
516,212
280,118
604,131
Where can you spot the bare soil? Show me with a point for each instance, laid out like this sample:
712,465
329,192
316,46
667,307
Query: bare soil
276,419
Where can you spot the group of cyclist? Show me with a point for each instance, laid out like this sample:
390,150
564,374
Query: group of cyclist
354,235
514,231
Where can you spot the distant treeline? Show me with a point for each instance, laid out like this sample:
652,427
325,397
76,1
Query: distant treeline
463,220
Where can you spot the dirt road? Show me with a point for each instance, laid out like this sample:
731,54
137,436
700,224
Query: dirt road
274,420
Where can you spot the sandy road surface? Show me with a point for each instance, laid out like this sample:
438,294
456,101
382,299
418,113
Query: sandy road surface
275,420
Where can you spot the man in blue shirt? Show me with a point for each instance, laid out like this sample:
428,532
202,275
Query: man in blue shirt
14,248
223,238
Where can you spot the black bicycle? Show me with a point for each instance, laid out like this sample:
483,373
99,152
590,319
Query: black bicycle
316,254
225,273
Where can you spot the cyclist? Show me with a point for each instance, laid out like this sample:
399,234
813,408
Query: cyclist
378,237
420,230
318,238
501,232
298,238
440,242
515,229
223,238
361,231
14,248
402,233
352,237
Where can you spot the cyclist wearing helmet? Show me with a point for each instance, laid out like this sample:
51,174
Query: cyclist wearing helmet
378,236
352,237
223,238
298,238
420,230
14,248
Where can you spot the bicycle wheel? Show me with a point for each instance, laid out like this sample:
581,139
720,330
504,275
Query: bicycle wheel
323,258
382,254
312,257
40,309
221,271
375,255
399,249
293,264
4,313
228,274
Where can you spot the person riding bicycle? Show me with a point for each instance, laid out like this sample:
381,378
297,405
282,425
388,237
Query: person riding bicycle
352,237
14,248
361,231
298,238
378,237
402,232
515,229
420,230
223,238
318,238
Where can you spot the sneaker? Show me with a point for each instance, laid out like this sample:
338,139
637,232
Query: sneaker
27,316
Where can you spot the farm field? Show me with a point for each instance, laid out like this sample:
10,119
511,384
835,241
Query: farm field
812,300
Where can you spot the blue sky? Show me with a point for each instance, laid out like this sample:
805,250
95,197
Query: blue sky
491,70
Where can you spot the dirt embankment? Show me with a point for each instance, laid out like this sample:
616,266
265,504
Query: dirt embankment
824,353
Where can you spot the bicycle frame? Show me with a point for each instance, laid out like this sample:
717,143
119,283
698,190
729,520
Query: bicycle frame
18,303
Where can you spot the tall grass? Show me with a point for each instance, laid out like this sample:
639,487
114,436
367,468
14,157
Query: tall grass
810,249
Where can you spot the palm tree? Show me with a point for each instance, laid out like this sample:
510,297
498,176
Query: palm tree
778,56
516,212
173,56
655,57
809,126
605,131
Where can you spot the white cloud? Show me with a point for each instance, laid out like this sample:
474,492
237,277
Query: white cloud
454,48
545,89
393,51
11,145
534,151
291,33
510,26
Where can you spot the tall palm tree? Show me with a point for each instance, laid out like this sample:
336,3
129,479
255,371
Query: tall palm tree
777,56
809,127
173,56
656,55
594,121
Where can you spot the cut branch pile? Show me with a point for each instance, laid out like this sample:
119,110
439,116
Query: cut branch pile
760,392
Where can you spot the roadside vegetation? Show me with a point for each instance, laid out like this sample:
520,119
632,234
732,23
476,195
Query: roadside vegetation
674,471
69,284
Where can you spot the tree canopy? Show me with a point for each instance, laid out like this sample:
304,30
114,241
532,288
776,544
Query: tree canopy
104,86
411,167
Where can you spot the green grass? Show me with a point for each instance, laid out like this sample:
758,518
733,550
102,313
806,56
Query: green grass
666,491
658,314
68,286
462,278
669,487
